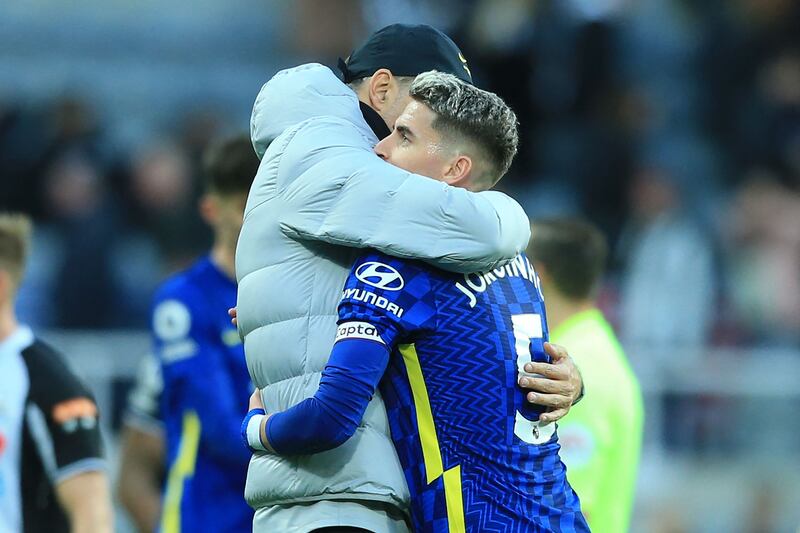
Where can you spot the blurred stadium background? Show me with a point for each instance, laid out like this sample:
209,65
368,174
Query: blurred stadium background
673,124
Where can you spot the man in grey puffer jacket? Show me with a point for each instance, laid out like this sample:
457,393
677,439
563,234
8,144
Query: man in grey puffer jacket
320,193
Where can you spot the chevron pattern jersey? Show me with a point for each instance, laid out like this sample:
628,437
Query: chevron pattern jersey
474,455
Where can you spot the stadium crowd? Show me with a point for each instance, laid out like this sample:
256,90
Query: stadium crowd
672,125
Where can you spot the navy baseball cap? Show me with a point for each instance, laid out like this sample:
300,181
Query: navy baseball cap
406,50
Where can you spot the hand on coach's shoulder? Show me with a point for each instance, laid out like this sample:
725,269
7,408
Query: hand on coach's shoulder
560,386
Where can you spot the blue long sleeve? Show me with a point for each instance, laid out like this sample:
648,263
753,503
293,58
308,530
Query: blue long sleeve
332,415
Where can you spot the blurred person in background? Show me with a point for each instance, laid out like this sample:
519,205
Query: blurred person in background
85,228
52,469
33,140
321,193
668,253
338,25
206,385
59,166
164,191
763,237
600,437
142,467
555,64
762,232
668,286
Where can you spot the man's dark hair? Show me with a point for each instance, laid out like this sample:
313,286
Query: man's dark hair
573,251
230,165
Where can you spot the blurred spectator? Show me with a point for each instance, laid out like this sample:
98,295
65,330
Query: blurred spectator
741,39
18,154
84,224
779,103
668,286
592,83
554,63
198,128
337,26
441,14
164,194
764,251
30,143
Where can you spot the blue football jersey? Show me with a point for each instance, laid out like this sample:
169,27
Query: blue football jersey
206,387
474,454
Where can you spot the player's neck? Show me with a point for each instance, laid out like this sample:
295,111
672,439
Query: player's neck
223,257
560,309
8,321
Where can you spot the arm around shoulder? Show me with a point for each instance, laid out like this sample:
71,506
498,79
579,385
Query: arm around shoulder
343,194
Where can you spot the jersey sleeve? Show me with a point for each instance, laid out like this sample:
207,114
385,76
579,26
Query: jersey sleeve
331,416
385,301
394,296
195,374
63,418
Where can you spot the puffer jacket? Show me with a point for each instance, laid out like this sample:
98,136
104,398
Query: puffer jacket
321,194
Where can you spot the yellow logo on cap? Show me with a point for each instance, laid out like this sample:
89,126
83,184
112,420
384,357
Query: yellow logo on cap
464,60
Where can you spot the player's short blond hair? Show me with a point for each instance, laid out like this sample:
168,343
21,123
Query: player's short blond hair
463,110
15,237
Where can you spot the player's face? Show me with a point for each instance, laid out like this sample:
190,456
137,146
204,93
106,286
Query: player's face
224,213
414,145
391,112
6,287
232,212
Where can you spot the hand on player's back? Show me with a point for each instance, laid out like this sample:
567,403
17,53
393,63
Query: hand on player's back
560,385
255,400
232,314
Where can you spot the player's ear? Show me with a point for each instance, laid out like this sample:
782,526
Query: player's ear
209,208
380,86
459,172
6,286
541,270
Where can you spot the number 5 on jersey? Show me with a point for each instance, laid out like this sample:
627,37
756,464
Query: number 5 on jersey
526,328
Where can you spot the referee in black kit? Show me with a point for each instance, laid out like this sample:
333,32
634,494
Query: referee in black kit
52,472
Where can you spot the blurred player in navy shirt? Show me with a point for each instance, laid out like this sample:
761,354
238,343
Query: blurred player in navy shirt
447,350
203,373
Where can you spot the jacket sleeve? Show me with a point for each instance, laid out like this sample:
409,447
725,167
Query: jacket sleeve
343,194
